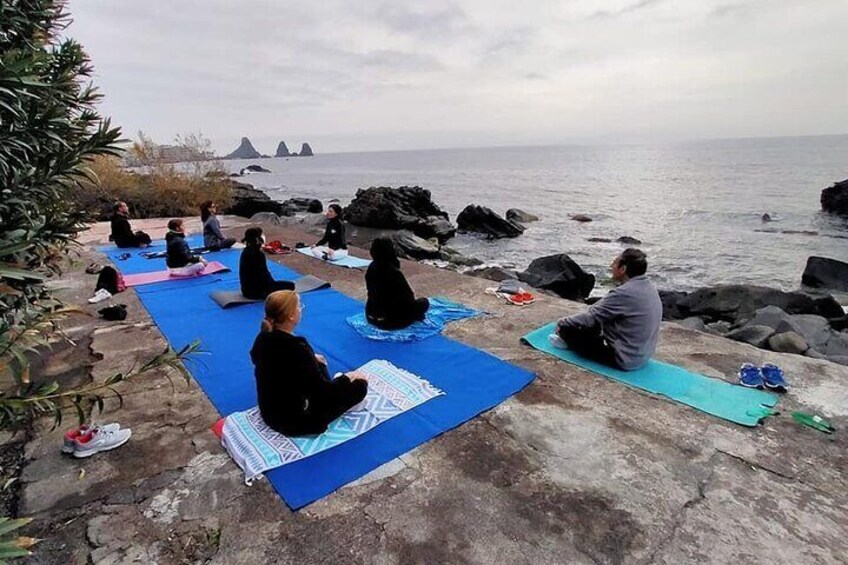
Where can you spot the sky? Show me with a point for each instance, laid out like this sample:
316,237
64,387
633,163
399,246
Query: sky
386,75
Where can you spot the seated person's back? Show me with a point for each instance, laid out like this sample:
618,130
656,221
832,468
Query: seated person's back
254,277
391,303
623,328
295,393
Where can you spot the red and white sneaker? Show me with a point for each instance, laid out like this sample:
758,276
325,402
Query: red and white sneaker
100,440
71,435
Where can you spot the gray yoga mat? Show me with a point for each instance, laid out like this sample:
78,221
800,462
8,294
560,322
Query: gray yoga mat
230,298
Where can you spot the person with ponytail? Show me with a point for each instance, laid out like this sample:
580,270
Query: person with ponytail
254,276
391,303
296,394
333,246
213,237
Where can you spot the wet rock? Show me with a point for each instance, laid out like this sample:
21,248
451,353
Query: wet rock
599,240
755,335
738,303
693,323
766,218
414,247
670,300
834,199
627,240
247,201
581,218
311,205
479,219
265,218
788,342
254,169
559,274
822,272
455,257
408,207
245,150
520,216
496,274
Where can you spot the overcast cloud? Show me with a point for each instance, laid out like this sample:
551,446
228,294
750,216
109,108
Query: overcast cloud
377,74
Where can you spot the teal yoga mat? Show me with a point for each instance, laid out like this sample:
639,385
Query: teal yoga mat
731,402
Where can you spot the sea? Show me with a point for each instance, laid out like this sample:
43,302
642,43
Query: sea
696,207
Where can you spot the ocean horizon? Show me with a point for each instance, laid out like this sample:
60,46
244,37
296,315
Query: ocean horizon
695,205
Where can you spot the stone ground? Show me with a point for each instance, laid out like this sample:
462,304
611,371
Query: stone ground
574,469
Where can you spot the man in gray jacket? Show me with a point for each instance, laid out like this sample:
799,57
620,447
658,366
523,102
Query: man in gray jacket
623,328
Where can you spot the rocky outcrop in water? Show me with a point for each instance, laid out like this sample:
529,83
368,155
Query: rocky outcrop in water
305,150
408,207
414,247
581,218
309,205
245,150
822,272
559,274
282,150
479,219
247,201
254,169
520,216
834,199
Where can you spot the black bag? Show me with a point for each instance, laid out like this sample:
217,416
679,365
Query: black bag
109,279
114,313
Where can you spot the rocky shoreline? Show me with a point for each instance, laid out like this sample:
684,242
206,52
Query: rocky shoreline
809,321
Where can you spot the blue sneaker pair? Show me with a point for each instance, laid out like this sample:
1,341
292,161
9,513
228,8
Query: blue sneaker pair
769,376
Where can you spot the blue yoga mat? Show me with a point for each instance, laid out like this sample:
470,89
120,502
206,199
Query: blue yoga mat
441,312
731,402
473,380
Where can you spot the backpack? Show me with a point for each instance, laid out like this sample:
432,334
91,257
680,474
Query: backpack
111,280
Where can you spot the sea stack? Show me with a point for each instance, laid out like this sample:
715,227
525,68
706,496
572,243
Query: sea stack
245,150
282,150
305,150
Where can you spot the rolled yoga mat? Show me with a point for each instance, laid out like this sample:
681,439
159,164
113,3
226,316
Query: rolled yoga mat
745,406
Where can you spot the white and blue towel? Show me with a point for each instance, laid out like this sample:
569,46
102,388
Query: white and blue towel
441,312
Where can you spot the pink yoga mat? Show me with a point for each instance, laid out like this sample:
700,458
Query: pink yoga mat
160,276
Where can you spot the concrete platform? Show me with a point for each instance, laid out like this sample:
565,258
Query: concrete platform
574,469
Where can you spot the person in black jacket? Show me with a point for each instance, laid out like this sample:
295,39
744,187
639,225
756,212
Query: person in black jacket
179,258
391,303
254,276
295,392
333,246
122,233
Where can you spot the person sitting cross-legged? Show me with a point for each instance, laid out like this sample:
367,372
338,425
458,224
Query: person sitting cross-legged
333,246
622,329
391,303
179,258
122,233
254,276
295,392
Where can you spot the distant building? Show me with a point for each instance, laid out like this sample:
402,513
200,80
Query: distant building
178,153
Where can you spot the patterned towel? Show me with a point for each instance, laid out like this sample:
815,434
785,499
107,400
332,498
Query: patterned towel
440,313
256,448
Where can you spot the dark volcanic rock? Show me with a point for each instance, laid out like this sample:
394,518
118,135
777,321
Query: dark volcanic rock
599,240
755,335
828,273
265,218
627,240
244,151
407,207
311,205
248,201
520,216
255,169
788,342
559,274
738,303
480,219
581,218
834,199
282,150
670,300
305,150
414,247
496,274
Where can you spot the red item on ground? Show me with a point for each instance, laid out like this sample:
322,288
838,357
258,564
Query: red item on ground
218,428
276,247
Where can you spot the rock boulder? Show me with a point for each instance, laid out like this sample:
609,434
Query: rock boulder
788,342
247,201
520,216
755,335
496,274
310,205
581,218
627,240
822,272
834,199
265,218
414,247
407,207
479,219
738,303
254,169
559,274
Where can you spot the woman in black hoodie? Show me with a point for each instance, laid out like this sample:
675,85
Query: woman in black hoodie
333,246
295,393
391,303
254,276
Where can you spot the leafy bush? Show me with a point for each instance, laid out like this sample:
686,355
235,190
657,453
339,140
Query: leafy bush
155,187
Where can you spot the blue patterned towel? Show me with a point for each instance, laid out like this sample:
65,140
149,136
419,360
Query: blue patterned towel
256,448
440,313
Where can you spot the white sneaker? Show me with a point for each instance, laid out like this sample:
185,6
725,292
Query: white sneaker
69,441
100,296
101,440
557,342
